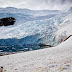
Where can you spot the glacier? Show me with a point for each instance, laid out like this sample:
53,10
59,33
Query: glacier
55,59
32,26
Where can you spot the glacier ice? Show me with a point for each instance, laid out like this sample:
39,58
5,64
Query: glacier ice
31,26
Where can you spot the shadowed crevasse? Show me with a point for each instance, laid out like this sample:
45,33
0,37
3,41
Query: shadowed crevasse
7,21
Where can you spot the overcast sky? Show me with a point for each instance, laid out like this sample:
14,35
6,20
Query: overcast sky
37,4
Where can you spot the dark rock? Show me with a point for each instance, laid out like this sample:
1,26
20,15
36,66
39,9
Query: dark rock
44,45
7,21
68,37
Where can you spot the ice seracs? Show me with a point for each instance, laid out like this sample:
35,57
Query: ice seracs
31,27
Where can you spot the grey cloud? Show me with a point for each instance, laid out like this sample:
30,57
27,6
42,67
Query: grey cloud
37,4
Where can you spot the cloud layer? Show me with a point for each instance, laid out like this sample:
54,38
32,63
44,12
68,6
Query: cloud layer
36,4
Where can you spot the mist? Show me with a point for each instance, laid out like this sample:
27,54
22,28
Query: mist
37,4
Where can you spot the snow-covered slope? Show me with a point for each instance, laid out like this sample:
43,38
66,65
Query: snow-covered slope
31,27
56,59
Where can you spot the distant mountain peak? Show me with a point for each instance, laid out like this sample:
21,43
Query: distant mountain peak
11,8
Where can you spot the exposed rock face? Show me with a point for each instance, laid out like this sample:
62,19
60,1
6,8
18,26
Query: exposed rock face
68,37
44,45
7,21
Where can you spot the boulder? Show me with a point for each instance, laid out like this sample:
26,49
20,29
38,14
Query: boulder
7,21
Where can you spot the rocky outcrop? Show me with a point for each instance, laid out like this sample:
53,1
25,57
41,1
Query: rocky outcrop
7,21
44,45
63,38
68,37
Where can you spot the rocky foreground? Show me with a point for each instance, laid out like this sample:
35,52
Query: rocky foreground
55,59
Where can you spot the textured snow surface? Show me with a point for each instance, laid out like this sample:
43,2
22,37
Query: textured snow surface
32,26
56,59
